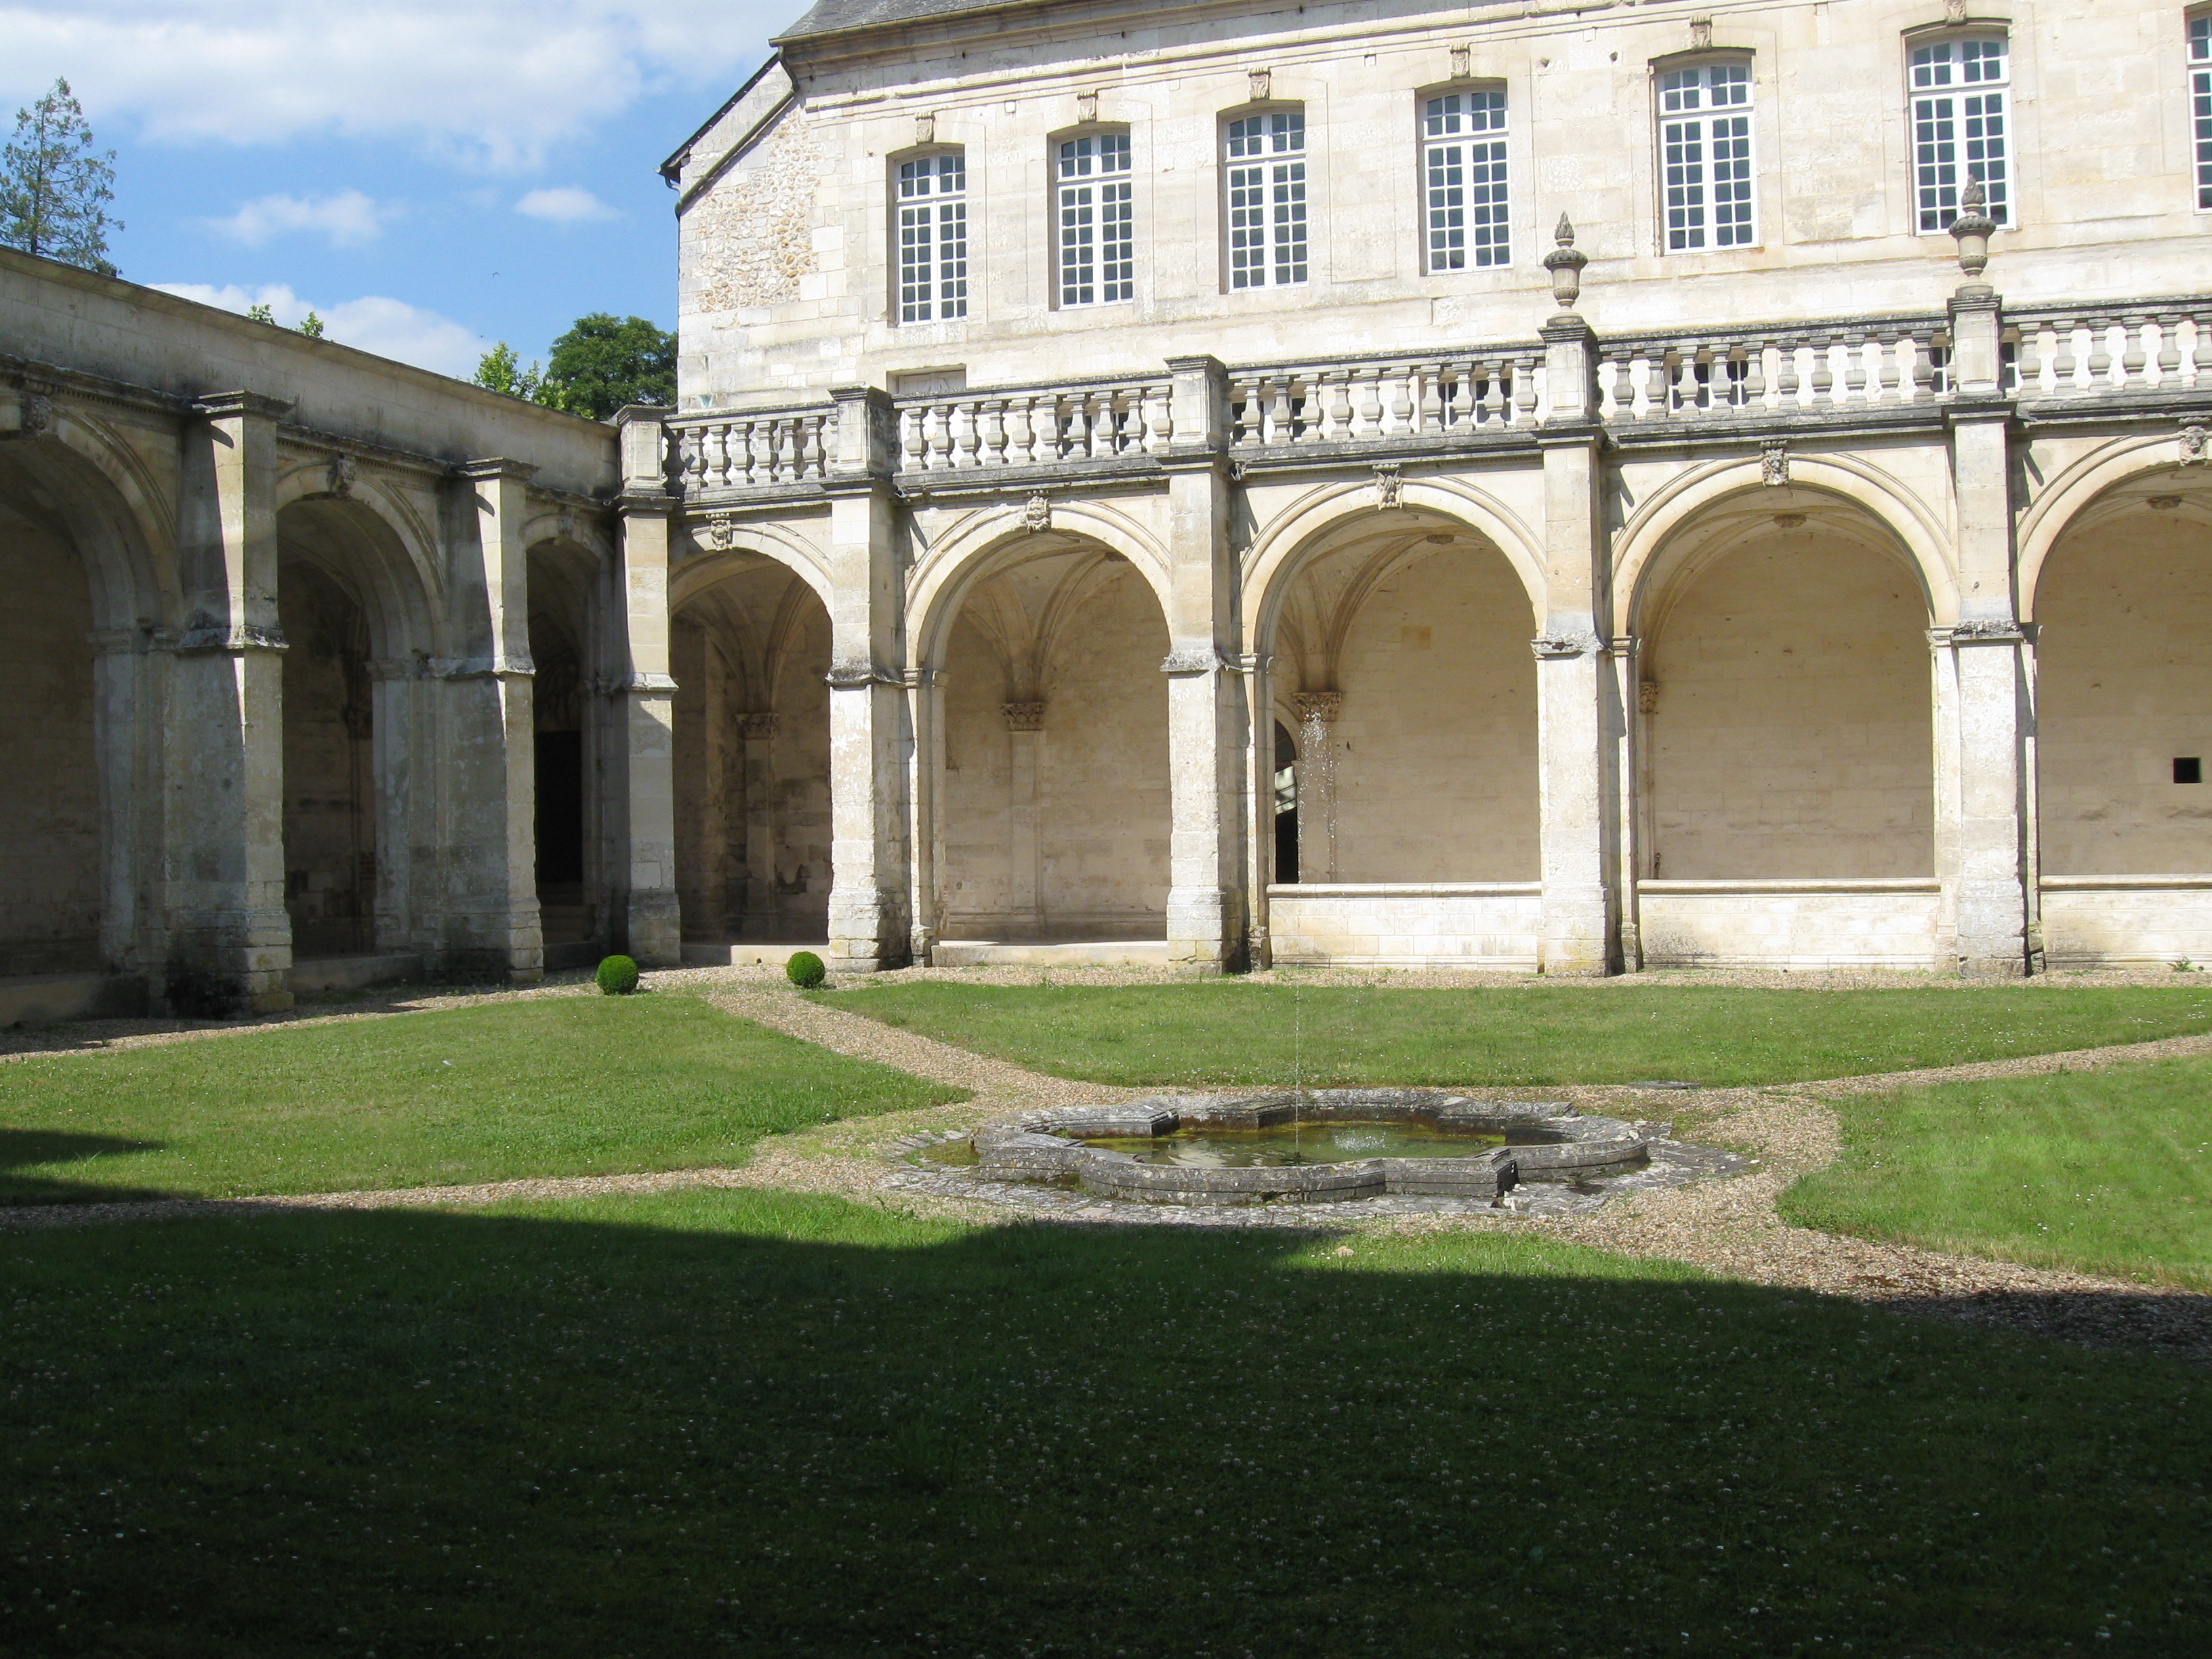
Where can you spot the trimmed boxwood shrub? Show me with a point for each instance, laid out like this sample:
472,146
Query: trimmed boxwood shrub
805,969
618,976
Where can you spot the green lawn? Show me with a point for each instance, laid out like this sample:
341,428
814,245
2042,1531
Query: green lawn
2108,1170
1245,1034
574,1086
759,1423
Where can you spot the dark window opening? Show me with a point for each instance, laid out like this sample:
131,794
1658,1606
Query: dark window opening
560,809
2188,768
1286,807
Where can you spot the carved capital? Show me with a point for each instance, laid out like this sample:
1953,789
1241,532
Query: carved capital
1207,661
1023,716
1549,647
1986,631
203,635
1647,696
859,676
1317,707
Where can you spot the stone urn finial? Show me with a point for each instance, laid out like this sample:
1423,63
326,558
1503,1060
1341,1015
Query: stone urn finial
1972,229
1566,263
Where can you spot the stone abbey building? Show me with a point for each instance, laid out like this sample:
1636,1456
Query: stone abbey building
1560,485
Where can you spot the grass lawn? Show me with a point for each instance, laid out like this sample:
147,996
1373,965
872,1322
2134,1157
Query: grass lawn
2108,1170
572,1085
763,1423
1228,1032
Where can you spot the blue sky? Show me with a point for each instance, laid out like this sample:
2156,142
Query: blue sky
428,176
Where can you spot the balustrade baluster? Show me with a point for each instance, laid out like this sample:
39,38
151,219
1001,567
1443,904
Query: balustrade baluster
2132,358
1524,392
1854,369
1429,411
1496,407
2169,348
1824,375
969,417
2100,354
1403,393
1682,381
2030,360
2063,362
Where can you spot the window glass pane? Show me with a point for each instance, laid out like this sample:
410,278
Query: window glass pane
932,238
1463,180
2200,102
1962,135
1265,179
1705,158
1098,220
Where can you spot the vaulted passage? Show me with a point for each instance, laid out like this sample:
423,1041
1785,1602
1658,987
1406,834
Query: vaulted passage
2123,674
1786,702
329,816
1053,809
1404,673
750,651
49,807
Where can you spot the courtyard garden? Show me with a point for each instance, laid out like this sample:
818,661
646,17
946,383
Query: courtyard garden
757,1421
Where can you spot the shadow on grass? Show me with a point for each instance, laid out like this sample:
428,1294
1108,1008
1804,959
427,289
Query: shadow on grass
29,1149
756,1423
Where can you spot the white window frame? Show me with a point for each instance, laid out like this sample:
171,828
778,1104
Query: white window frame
1708,168
1466,181
1263,191
2200,102
1959,120
1094,219
929,218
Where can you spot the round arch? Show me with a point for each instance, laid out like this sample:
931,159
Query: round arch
375,548
982,544
1651,550
707,563
2090,484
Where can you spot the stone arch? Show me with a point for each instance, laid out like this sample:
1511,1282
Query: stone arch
1399,644
705,562
2120,588
984,542
1648,547
1281,548
1050,791
1785,702
2140,464
87,581
749,649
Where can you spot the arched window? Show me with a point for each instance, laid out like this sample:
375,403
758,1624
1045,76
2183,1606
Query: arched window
1463,180
1961,121
1095,208
1264,174
1705,157
932,237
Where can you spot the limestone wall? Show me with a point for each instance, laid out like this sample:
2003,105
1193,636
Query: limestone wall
1788,731
2124,673
2100,139
49,807
330,820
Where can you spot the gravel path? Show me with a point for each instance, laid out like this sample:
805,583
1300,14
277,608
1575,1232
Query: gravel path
1732,1227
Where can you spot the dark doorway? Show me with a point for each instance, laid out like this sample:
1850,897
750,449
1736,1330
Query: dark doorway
560,809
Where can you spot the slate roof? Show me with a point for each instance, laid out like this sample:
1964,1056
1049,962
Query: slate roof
842,16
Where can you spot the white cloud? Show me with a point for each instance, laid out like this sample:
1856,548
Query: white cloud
350,219
390,328
564,206
494,83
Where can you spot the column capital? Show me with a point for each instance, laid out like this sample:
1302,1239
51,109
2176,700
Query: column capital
1986,631
496,466
859,676
1204,659
1553,646
240,405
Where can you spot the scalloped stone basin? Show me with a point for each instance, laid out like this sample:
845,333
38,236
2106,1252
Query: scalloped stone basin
1303,1146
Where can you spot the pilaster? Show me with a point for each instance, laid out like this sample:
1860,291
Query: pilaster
640,811
491,923
871,907
229,937
1209,723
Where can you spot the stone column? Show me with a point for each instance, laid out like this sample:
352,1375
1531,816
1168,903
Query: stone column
1575,695
1258,808
1208,726
229,938
926,779
870,911
639,758
1025,853
1636,701
756,732
490,921
1317,711
1982,671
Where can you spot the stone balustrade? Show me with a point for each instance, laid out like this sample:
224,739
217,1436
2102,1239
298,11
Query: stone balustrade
1845,368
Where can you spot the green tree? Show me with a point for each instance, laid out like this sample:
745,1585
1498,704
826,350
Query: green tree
312,326
604,363
261,313
501,370
55,187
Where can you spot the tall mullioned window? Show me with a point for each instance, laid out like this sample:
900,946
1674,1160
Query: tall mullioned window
1265,166
1705,157
1962,122
2200,102
1463,180
932,238
1097,211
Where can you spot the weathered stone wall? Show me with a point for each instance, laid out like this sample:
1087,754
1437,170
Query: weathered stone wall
1436,738
2123,671
49,807
1790,730
330,821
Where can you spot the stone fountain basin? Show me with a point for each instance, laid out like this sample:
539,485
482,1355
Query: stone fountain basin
1547,1140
